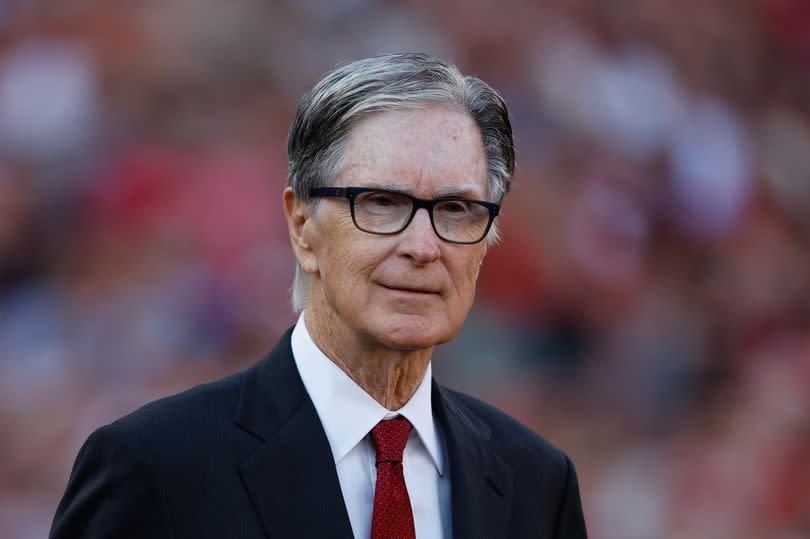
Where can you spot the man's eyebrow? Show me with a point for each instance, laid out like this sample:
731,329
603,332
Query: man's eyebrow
458,191
378,184
469,190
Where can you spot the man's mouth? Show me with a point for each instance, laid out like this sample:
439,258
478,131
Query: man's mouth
411,289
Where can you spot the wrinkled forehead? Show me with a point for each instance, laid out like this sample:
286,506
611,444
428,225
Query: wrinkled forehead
429,152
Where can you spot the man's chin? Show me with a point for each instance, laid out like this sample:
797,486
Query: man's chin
413,332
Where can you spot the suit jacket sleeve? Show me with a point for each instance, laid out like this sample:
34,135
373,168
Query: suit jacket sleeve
571,521
111,492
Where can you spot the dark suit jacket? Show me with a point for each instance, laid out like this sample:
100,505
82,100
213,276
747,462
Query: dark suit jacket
247,457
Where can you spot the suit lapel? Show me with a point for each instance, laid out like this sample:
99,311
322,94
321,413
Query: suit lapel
291,478
481,484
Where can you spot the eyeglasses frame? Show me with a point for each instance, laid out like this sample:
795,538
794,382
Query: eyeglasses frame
351,194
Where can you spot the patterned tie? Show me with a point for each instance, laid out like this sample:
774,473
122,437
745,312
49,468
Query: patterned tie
392,517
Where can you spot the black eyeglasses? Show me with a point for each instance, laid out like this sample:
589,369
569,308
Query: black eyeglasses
386,212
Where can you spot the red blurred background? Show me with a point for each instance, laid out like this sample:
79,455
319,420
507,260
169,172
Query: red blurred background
649,307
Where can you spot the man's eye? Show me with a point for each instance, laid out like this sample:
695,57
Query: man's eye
455,206
383,200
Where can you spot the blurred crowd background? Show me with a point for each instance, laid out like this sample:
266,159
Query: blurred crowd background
648,309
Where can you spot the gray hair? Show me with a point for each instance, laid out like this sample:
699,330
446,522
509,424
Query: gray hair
328,111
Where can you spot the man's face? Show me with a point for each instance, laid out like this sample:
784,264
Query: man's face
410,290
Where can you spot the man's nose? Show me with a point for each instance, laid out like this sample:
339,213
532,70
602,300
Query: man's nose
419,241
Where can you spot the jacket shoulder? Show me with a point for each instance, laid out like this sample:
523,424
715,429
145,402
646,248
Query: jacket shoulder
508,436
184,424
152,470
546,500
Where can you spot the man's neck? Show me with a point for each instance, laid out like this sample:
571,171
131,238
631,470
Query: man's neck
390,376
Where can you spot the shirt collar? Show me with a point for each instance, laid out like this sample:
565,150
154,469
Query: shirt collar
346,411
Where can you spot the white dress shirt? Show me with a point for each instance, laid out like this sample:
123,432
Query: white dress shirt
348,414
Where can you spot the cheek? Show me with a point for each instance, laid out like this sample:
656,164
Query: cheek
466,275
333,243
349,262
476,258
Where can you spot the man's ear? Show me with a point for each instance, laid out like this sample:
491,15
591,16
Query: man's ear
299,222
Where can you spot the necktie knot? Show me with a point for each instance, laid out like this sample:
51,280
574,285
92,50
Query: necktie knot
390,437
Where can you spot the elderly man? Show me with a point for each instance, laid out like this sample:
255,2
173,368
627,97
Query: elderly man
397,167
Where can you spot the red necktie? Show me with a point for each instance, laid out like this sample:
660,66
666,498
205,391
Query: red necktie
392,517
